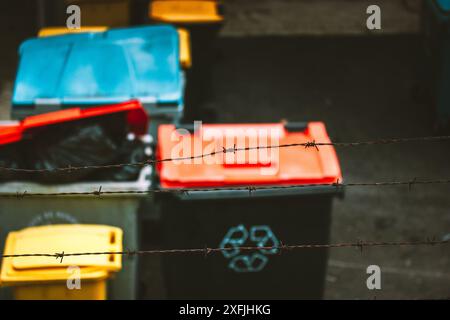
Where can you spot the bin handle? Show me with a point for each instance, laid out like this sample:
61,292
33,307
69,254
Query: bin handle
248,165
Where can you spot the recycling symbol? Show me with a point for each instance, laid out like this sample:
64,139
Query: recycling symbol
238,236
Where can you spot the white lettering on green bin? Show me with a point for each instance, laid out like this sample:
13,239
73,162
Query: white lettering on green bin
52,217
258,236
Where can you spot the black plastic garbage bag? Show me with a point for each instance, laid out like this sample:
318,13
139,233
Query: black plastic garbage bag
131,152
88,145
11,157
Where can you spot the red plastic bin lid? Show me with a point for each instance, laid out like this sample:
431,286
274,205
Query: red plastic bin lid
137,118
273,166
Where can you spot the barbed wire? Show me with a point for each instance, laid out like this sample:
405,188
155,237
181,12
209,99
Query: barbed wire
337,186
207,251
234,149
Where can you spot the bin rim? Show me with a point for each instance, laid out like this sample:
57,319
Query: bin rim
266,192
142,184
56,31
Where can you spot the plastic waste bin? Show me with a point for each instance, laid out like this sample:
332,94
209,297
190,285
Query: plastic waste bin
120,210
220,218
203,19
39,278
436,27
95,68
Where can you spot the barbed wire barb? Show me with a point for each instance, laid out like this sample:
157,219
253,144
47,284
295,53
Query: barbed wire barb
59,256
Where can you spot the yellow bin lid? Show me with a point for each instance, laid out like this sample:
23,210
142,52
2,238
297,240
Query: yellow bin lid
185,11
56,31
57,239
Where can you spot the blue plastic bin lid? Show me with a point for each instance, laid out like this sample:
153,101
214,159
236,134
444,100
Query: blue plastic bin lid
443,5
102,67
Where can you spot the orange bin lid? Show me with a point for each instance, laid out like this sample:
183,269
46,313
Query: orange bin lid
266,166
10,133
137,118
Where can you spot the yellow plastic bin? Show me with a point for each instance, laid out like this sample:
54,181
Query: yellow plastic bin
50,278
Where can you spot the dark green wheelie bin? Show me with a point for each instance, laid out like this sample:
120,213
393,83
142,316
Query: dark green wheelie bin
208,214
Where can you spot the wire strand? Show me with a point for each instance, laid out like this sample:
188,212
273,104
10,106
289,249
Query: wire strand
337,186
206,251
306,145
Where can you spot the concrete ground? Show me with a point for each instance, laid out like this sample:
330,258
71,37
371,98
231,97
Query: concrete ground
361,87
317,17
